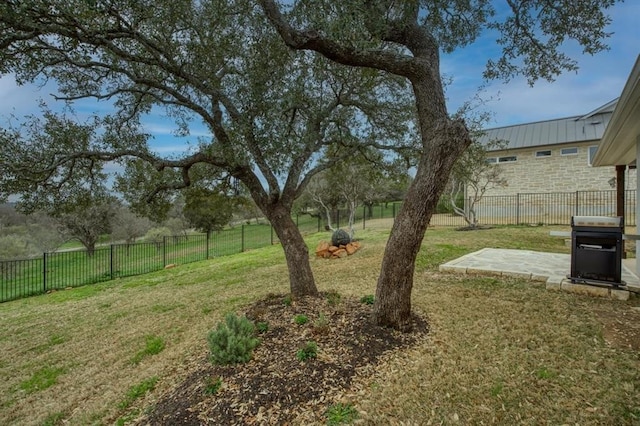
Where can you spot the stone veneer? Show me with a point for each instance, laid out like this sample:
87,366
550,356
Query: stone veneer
555,173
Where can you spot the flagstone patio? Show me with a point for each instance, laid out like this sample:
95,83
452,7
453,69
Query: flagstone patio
549,268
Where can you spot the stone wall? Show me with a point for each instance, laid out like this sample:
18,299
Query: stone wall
556,172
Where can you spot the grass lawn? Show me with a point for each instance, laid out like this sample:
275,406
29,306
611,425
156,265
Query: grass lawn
500,351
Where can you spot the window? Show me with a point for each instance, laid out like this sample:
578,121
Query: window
592,153
508,159
491,160
569,151
545,153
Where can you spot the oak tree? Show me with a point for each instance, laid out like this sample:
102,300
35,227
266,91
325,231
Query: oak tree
271,112
406,38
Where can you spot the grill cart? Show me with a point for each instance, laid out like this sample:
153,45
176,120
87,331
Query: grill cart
596,250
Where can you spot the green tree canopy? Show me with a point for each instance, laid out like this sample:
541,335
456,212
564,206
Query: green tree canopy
208,210
272,113
405,39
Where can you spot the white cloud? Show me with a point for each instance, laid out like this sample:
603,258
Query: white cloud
599,79
154,128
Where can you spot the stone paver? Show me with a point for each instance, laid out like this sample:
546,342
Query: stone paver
534,265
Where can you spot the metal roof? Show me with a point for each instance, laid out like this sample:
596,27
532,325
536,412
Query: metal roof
620,141
580,128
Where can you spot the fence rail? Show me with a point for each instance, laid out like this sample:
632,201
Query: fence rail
58,270
544,208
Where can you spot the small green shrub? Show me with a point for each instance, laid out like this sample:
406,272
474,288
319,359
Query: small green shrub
301,319
287,301
262,327
212,386
341,413
321,324
308,351
369,299
333,298
321,321
233,341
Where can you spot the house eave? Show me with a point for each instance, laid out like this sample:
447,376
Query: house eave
618,144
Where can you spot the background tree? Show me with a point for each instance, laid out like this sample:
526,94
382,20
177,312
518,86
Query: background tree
405,39
362,180
365,178
245,209
208,210
15,243
394,184
176,220
471,177
325,198
271,112
9,216
87,223
128,226
25,236
45,233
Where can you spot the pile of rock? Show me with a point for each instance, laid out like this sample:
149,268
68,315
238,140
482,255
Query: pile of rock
328,251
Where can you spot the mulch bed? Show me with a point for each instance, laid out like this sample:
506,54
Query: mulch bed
275,387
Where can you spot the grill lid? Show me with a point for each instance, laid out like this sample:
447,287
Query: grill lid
597,221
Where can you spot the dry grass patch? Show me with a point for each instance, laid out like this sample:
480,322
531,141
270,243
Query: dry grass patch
499,351
109,338
506,352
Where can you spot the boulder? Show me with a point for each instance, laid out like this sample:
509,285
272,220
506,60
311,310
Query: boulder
322,249
340,253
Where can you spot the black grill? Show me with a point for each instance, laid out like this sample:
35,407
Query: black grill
596,250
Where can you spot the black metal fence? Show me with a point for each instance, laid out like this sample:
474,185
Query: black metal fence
544,208
64,269
58,270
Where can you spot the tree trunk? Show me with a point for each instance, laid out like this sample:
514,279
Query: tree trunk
393,293
296,253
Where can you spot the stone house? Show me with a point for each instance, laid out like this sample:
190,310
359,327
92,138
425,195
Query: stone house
554,155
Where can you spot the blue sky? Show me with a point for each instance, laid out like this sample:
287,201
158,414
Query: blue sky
599,80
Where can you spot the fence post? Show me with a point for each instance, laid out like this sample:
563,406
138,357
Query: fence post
518,208
577,198
164,251
242,243
111,261
206,236
44,272
364,216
